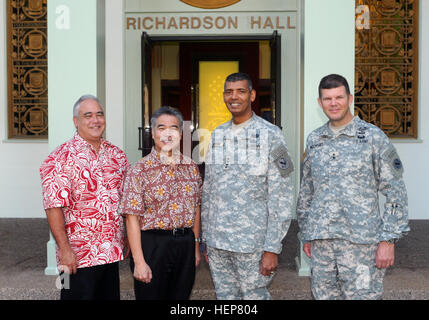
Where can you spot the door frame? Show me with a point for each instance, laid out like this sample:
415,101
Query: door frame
147,40
191,53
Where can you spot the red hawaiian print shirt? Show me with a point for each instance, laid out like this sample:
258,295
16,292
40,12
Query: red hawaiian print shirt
164,196
87,186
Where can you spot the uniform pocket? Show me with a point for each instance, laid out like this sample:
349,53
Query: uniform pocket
255,178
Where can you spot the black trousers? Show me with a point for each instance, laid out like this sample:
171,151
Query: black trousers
92,283
172,261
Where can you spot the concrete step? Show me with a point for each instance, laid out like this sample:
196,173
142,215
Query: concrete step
399,284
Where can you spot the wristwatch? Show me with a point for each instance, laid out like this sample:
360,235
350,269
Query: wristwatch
198,240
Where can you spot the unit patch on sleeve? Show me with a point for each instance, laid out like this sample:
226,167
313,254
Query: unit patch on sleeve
393,160
282,160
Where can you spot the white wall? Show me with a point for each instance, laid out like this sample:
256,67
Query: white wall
20,190
415,155
115,73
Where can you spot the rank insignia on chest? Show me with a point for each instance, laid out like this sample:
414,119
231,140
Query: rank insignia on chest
361,135
282,160
362,139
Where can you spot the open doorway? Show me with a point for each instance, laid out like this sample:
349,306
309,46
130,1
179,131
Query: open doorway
188,73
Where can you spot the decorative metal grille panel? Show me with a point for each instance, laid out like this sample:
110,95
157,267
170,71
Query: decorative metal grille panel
27,68
386,66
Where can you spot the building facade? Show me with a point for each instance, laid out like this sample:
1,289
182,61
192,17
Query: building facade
138,55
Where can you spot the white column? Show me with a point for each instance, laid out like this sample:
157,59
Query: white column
329,42
115,72
76,67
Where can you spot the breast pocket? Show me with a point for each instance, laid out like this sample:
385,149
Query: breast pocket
320,162
191,189
358,160
113,177
254,175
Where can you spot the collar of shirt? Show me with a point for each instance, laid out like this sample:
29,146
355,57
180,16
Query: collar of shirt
246,125
349,130
236,128
176,159
81,143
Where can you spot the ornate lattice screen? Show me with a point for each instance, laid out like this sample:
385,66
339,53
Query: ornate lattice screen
386,65
27,68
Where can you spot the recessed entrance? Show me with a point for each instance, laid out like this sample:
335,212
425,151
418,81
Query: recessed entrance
188,73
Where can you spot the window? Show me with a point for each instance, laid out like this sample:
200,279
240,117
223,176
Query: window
27,68
386,65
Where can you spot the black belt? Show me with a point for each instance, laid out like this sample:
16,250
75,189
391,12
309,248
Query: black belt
174,232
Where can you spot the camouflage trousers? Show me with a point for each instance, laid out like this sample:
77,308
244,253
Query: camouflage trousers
344,270
236,275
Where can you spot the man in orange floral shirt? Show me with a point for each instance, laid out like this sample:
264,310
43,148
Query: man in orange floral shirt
161,201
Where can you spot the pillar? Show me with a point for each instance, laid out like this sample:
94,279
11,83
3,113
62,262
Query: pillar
328,47
76,59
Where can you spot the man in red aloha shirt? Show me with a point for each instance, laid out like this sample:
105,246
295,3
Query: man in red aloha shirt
161,200
81,184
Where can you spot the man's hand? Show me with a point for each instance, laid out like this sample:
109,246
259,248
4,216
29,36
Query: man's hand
142,272
68,262
205,254
385,256
67,257
269,263
197,255
307,249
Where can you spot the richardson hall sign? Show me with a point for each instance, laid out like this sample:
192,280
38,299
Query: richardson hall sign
209,22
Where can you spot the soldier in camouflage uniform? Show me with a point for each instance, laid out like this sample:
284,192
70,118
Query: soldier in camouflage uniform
347,163
247,197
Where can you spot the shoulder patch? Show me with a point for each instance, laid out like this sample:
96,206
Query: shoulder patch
282,160
394,161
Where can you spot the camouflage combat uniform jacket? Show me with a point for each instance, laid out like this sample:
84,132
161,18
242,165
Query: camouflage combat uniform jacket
342,176
248,191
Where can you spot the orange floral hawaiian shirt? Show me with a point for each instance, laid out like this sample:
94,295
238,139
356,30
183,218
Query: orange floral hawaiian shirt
164,196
